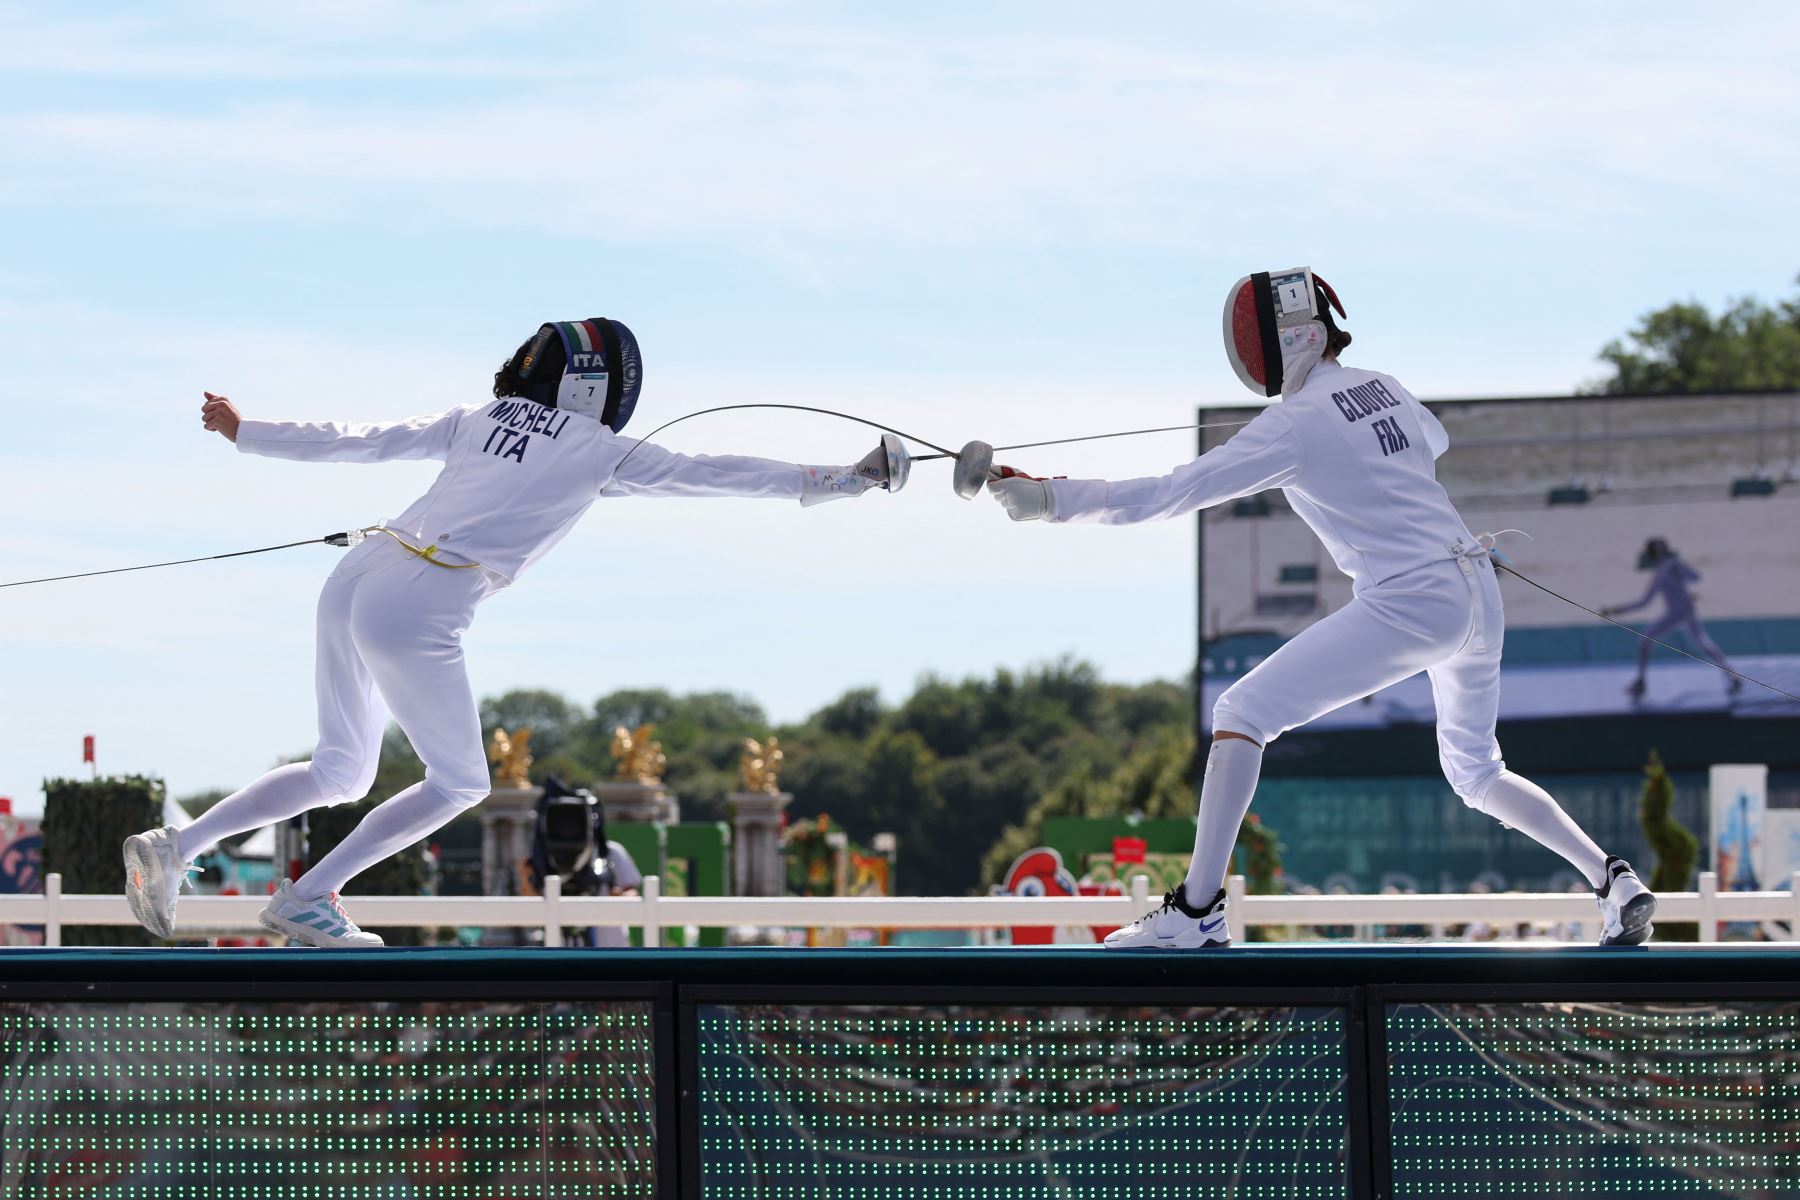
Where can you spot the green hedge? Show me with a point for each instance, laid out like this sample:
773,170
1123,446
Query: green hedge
86,822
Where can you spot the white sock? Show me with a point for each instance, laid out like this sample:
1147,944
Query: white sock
285,792
392,827
1516,801
1232,768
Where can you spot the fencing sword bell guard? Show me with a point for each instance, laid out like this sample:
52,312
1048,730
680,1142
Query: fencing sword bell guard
899,462
974,467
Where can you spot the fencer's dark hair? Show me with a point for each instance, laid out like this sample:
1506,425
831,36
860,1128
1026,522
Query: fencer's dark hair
1336,340
533,371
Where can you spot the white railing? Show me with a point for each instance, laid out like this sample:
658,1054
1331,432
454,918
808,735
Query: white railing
653,912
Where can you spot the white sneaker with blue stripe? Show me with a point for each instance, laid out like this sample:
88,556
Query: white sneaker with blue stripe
1176,925
154,877
321,922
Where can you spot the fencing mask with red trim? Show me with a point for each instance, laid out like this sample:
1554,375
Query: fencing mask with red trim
1276,324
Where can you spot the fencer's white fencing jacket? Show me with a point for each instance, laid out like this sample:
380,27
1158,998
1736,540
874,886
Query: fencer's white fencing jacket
1355,453
517,475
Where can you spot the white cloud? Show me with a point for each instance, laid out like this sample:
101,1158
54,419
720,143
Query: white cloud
782,134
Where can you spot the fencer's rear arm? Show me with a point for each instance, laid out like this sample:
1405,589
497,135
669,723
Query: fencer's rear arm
335,441
1266,453
1435,436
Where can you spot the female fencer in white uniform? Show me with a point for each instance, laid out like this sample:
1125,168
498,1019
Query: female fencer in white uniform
519,471
1356,455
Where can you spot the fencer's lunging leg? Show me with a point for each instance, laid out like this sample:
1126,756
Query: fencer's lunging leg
1383,635
1232,768
285,792
1466,691
407,621
352,718
1516,801
392,827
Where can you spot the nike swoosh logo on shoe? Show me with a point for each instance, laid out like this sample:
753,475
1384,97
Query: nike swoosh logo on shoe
1212,926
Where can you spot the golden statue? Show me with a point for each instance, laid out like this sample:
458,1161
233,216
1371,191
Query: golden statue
637,757
759,766
511,756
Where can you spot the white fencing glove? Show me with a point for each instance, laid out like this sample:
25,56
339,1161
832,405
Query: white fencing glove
1024,497
820,484
873,467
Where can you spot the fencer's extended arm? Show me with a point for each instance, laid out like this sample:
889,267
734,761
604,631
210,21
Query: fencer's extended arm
654,471
335,441
649,470
1649,592
1265,453
1671,579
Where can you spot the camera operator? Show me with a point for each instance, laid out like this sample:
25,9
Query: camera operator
569,841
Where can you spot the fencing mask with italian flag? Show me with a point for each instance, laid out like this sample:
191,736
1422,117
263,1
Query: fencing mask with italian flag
1276,325
591,367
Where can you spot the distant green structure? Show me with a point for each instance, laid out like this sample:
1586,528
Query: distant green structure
1086,846
691,858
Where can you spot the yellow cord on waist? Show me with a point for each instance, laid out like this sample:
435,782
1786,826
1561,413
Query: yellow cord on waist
428,553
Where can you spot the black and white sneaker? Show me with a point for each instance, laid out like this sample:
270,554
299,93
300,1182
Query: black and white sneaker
1626,905
1175,925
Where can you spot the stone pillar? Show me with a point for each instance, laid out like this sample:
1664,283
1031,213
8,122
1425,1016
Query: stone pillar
508,816
757,867
633,802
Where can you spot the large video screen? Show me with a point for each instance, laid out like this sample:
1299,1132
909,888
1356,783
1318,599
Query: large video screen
965,1100
1597,1100
347,1101
1681,511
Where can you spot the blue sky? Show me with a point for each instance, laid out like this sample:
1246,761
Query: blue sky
1012,221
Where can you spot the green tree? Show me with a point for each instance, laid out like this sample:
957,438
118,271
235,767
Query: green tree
1152,781
701,734
1685,348
1677,849
956,765
855,714
550,716
900,795
826,775
983,793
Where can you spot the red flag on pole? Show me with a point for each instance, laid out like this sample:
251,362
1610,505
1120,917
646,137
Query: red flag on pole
87,748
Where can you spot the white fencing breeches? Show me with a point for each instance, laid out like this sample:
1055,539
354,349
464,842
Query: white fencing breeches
1435,619
1447,620
390,629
